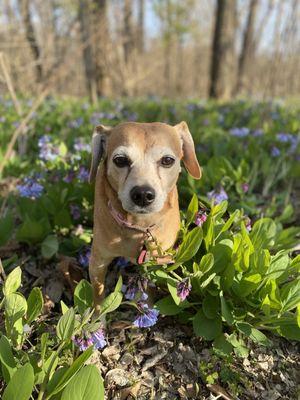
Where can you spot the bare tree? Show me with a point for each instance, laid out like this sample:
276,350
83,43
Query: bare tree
248,46
31,37
128,42
88,59
223,50
140,26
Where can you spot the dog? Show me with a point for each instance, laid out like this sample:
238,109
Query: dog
136,166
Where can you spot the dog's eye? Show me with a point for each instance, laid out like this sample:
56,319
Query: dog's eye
121,161
167,161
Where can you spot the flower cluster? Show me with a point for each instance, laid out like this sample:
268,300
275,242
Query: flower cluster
80,145
147,317
84,257
200,218
217,195
30,188
48,152
183,289
96,339
136,288
239,132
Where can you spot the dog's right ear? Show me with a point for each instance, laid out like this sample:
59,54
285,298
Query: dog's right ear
98,148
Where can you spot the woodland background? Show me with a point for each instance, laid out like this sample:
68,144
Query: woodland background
168,48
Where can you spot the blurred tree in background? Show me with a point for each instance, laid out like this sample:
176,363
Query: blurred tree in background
172,48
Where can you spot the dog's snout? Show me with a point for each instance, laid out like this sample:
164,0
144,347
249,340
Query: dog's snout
142,196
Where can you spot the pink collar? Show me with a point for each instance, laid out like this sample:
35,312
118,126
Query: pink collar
122,221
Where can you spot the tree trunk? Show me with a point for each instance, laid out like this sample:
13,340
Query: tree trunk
223,51
128,39
140,29
100,29
88,59
31,38
248,46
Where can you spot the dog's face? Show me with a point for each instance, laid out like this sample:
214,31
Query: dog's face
143,162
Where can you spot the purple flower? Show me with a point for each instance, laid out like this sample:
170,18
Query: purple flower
257,133
70,176
122,262
285,137
245,187
200,218
217,195
84,257
183,289
48,152
239,132
248,223
30,189
79,145
83,174
95,339
148,316
136,288
275,152
75,211
76,123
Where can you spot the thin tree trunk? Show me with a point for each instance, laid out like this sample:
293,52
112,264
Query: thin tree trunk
248,46
128,39
100,27
88,59
31,38
223,50
140,30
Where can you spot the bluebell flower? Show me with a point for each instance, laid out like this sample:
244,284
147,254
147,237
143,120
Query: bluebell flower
257,133
121,262
275,152
96,339
75,211
70,176
183,289
30,189
83,174
136,288
79,145
48,152
239,132
200,218
84,257
217,195
245,187
76,123
285,137
148,316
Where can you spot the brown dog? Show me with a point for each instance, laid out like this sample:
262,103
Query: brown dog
135,192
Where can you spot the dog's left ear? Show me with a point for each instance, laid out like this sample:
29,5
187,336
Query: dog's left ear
98,147
188,147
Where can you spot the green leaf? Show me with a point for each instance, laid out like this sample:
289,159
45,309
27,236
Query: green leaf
33,231
166,306
206,263
35,305
7,359
6,228
211,306
207,328
65,325
87,385
289,329
119,284
21,384
12,282
222,346
253,333
111,302
263,233
172,286
190,245
83,296
71,371
49,246
229,222
290,295
278,266
192,210
219,209
226,311
15,309
64,307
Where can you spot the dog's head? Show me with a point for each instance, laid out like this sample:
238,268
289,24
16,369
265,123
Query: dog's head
143,161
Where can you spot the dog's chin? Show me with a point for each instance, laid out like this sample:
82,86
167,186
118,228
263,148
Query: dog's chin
136,210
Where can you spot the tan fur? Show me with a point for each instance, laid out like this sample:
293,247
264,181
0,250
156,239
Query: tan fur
145,142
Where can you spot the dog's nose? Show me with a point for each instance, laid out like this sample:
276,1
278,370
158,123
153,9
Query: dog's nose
142,195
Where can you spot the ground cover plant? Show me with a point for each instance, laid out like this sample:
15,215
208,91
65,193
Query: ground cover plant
234,281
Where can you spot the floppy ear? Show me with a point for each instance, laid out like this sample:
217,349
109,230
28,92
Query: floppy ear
189,155
98,147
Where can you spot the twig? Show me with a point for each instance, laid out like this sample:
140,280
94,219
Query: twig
2,272
10,85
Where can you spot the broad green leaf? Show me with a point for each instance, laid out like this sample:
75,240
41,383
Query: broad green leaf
64,307
222,256
33,231
15,309
211,306
172,286
278,266
222,346
6,228
192,210
290,295
190,245
206,263
289,329
87,385
119,284
166,306
207,328
83,296
65,325
253,333
7,359
219,209
71,371
111,302
229,222
263,233
226,311
21,384
12,282
44,345
49,246
35,305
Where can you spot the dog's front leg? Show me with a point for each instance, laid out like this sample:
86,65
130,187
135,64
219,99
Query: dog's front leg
97,271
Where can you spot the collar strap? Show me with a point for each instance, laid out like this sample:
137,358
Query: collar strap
124,223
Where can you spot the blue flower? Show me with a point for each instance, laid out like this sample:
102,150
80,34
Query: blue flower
275,152
75,211
239,132
30,189
217,195
83,174
136,288
84,257
98,339
148,316
87,340
257,133
69,177
48,152
121,262
76,123
285,137
79,145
